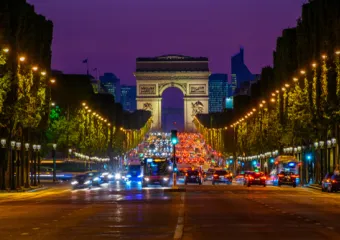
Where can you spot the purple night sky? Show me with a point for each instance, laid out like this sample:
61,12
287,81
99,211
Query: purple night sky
112,33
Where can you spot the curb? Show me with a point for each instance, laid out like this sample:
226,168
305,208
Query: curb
37,189
313,187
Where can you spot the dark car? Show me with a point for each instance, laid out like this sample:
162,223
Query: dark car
82,181
287,178
255,178
193,176
222,176
208,176
331,183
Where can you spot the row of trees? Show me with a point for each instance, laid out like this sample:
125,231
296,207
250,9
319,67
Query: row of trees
41,107
296,102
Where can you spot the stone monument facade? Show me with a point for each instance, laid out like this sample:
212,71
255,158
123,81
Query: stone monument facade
189,74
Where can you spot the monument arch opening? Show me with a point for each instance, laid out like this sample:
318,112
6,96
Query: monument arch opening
172,109
189,74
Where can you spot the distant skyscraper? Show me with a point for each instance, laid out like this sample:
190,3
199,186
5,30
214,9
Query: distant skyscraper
128,97
112,84
233,85
239,70
218,91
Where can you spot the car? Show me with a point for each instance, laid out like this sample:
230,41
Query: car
81,181
208,176
287,178
193,176
222,176
331,183
255,178
106,177
181,176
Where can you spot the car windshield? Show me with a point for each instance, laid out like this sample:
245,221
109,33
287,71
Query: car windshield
193,172
81,177
220,172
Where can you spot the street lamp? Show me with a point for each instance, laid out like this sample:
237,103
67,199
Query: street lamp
18,163
3,150
39,162
34,174
12,159
54,148
69,153
27,148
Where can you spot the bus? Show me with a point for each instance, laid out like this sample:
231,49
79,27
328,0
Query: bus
156,171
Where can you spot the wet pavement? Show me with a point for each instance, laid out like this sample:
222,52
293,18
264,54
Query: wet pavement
120,211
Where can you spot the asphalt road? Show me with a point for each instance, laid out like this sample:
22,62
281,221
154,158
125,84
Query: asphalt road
202,212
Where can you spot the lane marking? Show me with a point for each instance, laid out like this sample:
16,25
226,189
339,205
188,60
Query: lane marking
180,221
24,234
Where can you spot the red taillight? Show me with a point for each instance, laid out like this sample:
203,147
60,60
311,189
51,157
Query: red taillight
263,178
215,175
186,174
281,175
333,181
251,178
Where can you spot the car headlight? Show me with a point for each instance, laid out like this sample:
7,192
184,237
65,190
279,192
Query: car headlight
96,179
87,182
104,174
128,176
118,176
146,179
140,176
74,182
165,179
110,176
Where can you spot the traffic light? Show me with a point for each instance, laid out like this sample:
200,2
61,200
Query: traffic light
174,139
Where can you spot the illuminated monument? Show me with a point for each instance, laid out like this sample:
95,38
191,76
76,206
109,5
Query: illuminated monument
189,74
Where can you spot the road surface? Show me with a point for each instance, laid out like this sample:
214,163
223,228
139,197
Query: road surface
202,212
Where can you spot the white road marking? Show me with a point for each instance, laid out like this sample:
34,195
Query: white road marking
180,221
24,234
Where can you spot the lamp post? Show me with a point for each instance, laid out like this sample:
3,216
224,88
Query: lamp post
34,174
54,147
18,163
27,165
39,162
69,153
12,164
4,164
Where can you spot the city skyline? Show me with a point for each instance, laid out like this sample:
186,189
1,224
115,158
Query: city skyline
209,31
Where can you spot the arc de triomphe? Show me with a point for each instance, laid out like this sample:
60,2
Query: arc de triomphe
189,74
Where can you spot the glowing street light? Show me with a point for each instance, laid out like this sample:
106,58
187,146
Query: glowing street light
35,68
22,59
52,104
52,81
314,65
43,73
337,52
6,50
303,72
295,79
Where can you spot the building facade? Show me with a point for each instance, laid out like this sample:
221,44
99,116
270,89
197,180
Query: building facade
112,84
188,74
239,70
218,91
128,97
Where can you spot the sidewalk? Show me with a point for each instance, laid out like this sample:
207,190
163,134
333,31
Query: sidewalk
43,186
